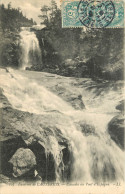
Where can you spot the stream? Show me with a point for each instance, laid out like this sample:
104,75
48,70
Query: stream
96,157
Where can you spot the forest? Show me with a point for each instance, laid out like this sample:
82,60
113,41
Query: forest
11,21
77,52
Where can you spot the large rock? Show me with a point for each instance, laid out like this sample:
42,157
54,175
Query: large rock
23,161
116,129
24,130
74,98
120,106
9,144
86,129
77,102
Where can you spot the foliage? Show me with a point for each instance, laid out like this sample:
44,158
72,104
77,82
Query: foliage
92,52
11,20
48,13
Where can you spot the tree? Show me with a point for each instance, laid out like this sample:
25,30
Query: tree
12,19
55,20
9,5
45,16
2,6
53,7
48,13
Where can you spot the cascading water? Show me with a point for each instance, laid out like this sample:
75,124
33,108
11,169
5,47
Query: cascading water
95,156
30,50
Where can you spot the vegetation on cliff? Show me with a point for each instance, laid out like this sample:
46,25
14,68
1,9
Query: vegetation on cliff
11,20
79,52
95,53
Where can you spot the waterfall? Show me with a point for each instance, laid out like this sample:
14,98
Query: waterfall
96,156
30,50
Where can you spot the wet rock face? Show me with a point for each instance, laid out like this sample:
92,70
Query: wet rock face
116,129
120,106
86,128
45,162
68,164
72,97
24,138
77,102
23,161
9,144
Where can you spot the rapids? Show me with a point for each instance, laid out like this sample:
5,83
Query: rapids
95,156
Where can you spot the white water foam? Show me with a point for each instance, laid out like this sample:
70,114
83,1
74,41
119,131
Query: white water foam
29,43
96,156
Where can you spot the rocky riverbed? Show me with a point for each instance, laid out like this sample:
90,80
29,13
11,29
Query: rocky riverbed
47,132
30,131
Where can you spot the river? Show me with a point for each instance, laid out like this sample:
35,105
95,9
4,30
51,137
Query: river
96,156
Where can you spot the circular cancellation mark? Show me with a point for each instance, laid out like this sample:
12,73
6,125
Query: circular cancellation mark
96,14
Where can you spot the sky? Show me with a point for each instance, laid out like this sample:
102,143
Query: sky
30,8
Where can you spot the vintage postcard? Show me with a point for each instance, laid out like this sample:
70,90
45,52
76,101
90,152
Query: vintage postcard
62,97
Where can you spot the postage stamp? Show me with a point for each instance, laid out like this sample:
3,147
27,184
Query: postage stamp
93,13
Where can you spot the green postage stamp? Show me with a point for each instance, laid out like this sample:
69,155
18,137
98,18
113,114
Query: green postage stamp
93,13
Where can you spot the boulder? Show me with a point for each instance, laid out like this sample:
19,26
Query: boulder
75,99
26,143
77,102
86,129
9,144
120,106
116,129
23,161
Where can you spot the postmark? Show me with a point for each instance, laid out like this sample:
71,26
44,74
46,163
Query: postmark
93,14
96,14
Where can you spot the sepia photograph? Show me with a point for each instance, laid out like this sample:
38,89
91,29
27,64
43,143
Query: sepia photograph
62,95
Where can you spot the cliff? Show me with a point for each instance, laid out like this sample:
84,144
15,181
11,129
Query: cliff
23,130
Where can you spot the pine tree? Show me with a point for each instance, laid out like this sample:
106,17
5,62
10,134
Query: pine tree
44,16
53,7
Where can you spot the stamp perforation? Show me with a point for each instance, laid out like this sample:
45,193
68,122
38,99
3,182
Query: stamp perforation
109,14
